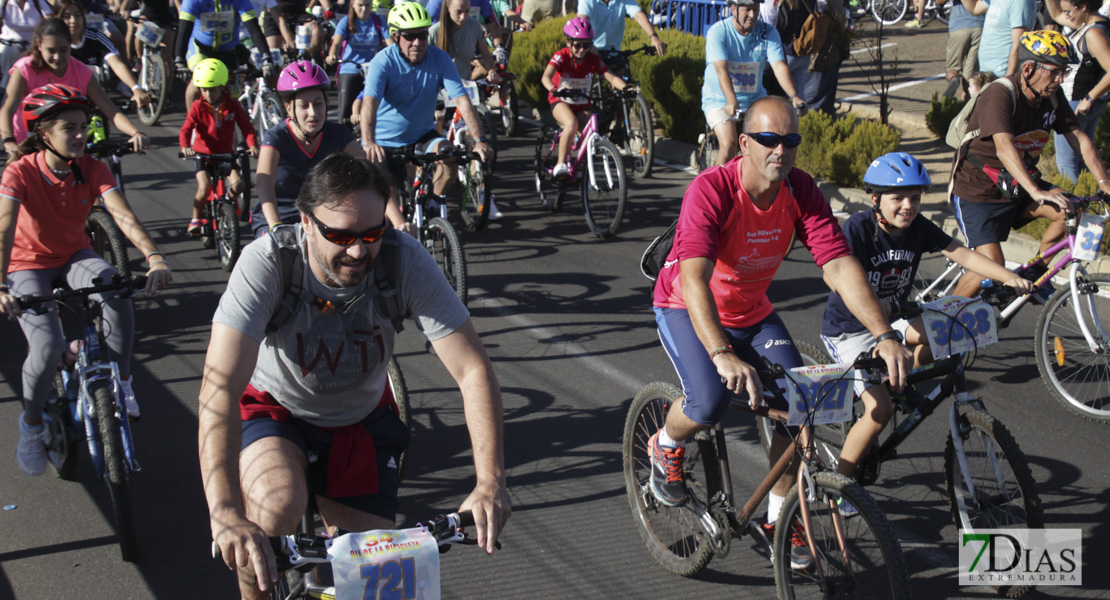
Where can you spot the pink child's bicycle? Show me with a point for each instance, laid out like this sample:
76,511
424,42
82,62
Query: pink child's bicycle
595,165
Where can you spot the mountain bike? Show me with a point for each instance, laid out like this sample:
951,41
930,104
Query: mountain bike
508,104
220,223
595,165
89,405
853,558
263,105
475,176
989,483
709,146
630,128
372,564
152,69
1071,339
110,152
436,233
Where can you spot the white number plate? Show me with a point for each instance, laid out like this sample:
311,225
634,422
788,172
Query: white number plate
95,21
957,324
150,34
581,84
304,37
386,564
830,386
476,12
1089,237
471,90
745,76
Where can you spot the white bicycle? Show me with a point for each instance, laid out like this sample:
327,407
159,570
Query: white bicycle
152,69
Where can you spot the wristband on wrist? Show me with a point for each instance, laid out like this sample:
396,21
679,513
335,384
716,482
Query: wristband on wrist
158,252
721,350
136,87
9,139
154,262
5,287
1087,97
893,334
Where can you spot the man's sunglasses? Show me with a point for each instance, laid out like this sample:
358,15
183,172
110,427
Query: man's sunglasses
770,140
344,237
580,45
412,37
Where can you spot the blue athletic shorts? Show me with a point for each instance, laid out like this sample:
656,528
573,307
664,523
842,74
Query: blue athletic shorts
391,436
707,399
990,222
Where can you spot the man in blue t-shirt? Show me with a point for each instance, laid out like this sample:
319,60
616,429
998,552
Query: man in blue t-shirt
399,100
607,18
888,241
209,29
736,50
1005,21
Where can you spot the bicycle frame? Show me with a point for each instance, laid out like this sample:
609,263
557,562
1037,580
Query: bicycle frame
584,146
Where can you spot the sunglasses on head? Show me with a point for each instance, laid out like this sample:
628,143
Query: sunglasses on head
580,45
770,140
345,237
413,36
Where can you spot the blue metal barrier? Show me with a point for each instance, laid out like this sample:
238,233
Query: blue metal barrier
691,16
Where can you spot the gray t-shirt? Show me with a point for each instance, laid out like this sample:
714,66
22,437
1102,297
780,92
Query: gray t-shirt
464,44
330,370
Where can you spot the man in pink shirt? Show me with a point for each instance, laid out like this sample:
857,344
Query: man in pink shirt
737,223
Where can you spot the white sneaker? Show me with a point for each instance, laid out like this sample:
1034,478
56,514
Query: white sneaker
846,508
31,452
560,170
494,212
129,399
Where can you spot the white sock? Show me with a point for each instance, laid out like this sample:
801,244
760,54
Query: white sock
665,440
31,428
774,507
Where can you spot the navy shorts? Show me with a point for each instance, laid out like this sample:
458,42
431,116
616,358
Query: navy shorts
990,222
707,398
391,436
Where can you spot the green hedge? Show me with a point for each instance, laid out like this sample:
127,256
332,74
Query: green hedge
671,84
840,150
940,114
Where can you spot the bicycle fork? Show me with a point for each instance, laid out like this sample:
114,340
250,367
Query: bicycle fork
608,169
964,398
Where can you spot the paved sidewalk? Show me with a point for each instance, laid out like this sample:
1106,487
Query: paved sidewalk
916,140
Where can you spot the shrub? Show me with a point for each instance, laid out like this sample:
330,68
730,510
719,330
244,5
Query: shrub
940,114
671,84
840,150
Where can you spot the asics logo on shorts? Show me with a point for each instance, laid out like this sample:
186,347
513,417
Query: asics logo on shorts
776,343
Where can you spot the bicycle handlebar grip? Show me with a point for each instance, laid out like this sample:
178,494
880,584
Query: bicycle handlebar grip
866,362
466,519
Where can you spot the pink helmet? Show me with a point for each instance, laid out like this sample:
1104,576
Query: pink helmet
301,75
579,28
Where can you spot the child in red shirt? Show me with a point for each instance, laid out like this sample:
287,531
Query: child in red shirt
572,68
213,118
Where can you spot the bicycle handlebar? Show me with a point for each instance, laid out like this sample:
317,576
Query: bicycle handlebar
646,49
216,158
135,282
425,159
106,148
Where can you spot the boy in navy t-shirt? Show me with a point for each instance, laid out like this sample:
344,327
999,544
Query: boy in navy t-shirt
888,241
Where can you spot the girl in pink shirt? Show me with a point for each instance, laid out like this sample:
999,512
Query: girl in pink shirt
50,62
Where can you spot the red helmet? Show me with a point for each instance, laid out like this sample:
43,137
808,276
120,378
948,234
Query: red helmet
50,100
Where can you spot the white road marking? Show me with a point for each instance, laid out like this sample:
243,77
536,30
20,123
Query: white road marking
892,88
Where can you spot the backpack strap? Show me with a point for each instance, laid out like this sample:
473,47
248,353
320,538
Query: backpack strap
292,277
389,303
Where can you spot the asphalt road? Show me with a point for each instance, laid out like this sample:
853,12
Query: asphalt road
566,318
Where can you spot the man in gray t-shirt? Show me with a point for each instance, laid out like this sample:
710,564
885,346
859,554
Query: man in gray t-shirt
270,401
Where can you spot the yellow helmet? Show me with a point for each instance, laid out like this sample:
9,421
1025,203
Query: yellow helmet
1048,47
408,15
210,73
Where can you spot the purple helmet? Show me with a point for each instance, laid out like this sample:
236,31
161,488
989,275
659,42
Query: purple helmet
301,75
579,28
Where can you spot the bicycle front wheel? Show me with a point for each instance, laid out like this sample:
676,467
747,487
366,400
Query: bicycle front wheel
888,12
943,10
641,137
401,397
477,193
443,242
859,556
1077,376
154,82
115,471
227,235
604,190
510,108
107,240
551,190
271,112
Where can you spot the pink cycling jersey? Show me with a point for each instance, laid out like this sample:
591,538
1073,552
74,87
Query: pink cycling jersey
718,221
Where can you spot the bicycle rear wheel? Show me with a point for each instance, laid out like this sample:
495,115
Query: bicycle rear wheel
936,277
271,112
154,82
604,191
641,137
868,565
443,242
1077,376
1005,493
889,12
477,193
943,10
115,472
62,451
707,151
244,165
674,536
552,191
510,108
227,235
207,230
107,240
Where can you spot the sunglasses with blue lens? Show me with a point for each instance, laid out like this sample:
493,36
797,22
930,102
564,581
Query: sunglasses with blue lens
770,140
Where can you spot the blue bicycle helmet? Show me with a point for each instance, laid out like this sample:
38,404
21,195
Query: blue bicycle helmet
895,170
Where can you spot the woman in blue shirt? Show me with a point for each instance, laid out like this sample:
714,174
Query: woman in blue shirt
361,34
